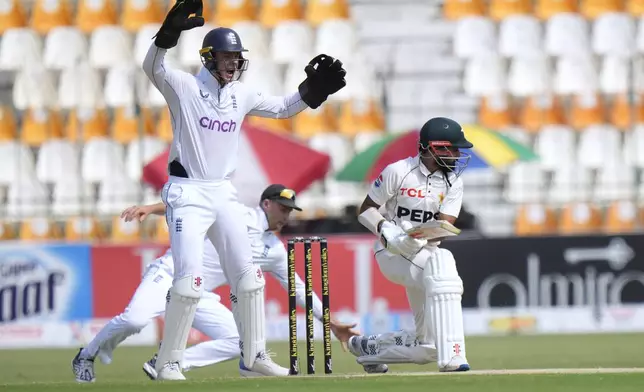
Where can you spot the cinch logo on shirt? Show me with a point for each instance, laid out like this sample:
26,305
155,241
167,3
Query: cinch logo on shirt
216,125
411,192
416,215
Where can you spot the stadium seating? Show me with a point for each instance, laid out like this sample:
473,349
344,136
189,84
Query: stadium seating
12,16
92,14
563,77
83,228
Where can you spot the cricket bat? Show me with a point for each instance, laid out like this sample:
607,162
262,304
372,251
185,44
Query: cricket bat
433,229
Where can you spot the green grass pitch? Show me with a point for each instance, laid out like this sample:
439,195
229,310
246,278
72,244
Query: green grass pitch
570,363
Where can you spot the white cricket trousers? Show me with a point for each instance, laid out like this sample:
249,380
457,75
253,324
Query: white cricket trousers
148,302
409,273
196,209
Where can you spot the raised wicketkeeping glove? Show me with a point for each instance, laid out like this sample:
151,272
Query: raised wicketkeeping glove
178,20
320,82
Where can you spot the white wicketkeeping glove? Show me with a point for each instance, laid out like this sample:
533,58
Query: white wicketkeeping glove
397,241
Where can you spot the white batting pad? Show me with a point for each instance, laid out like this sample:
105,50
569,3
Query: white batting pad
419,355
444,289
396,347
250,311
180,312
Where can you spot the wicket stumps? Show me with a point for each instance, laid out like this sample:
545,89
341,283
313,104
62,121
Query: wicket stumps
292,304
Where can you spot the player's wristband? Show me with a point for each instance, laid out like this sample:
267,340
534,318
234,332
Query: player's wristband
372,220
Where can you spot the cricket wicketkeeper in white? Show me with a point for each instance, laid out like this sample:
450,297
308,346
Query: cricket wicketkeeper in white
207,111
212,318
423,192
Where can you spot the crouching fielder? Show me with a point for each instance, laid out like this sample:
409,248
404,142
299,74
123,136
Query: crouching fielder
413,191
212,318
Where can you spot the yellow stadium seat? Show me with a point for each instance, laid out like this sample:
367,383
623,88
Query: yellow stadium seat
360,116
538,112
317,11
161,233
95,13
622,114
123,231
229,12
7,124
164,126
83,228
591,9
501,9
271,124
580,218
48,14
535,219
638,112
126,124
586,110
7,231
457,9
272,12
635,7
38,229
547,8
137,13
86,124
41,125
12,15
621,217
309,122
495,113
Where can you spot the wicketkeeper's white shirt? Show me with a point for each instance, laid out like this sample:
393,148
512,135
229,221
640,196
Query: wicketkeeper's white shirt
407,191
207,119
268,252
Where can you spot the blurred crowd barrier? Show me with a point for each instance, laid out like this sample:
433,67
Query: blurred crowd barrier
60,294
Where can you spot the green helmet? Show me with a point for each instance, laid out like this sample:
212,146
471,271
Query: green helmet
441,129
442,138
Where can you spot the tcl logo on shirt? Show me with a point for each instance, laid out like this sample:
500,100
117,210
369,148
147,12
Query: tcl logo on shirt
416,215
411,192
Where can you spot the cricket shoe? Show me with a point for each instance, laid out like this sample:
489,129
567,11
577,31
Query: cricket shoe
376,368
171,371
457,364
83,368
263,367
148,368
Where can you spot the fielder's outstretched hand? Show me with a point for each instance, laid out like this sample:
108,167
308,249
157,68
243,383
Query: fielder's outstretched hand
138,213
343,332
184,15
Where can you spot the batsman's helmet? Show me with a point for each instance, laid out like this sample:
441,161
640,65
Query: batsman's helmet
442,138
223,39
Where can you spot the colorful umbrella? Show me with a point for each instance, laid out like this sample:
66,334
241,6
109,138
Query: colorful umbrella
264,157
491,148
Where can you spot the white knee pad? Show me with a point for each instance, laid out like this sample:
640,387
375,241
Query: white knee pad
180,312
250,314
444,289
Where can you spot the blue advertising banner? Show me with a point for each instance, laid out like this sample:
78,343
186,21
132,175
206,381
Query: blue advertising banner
45,282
